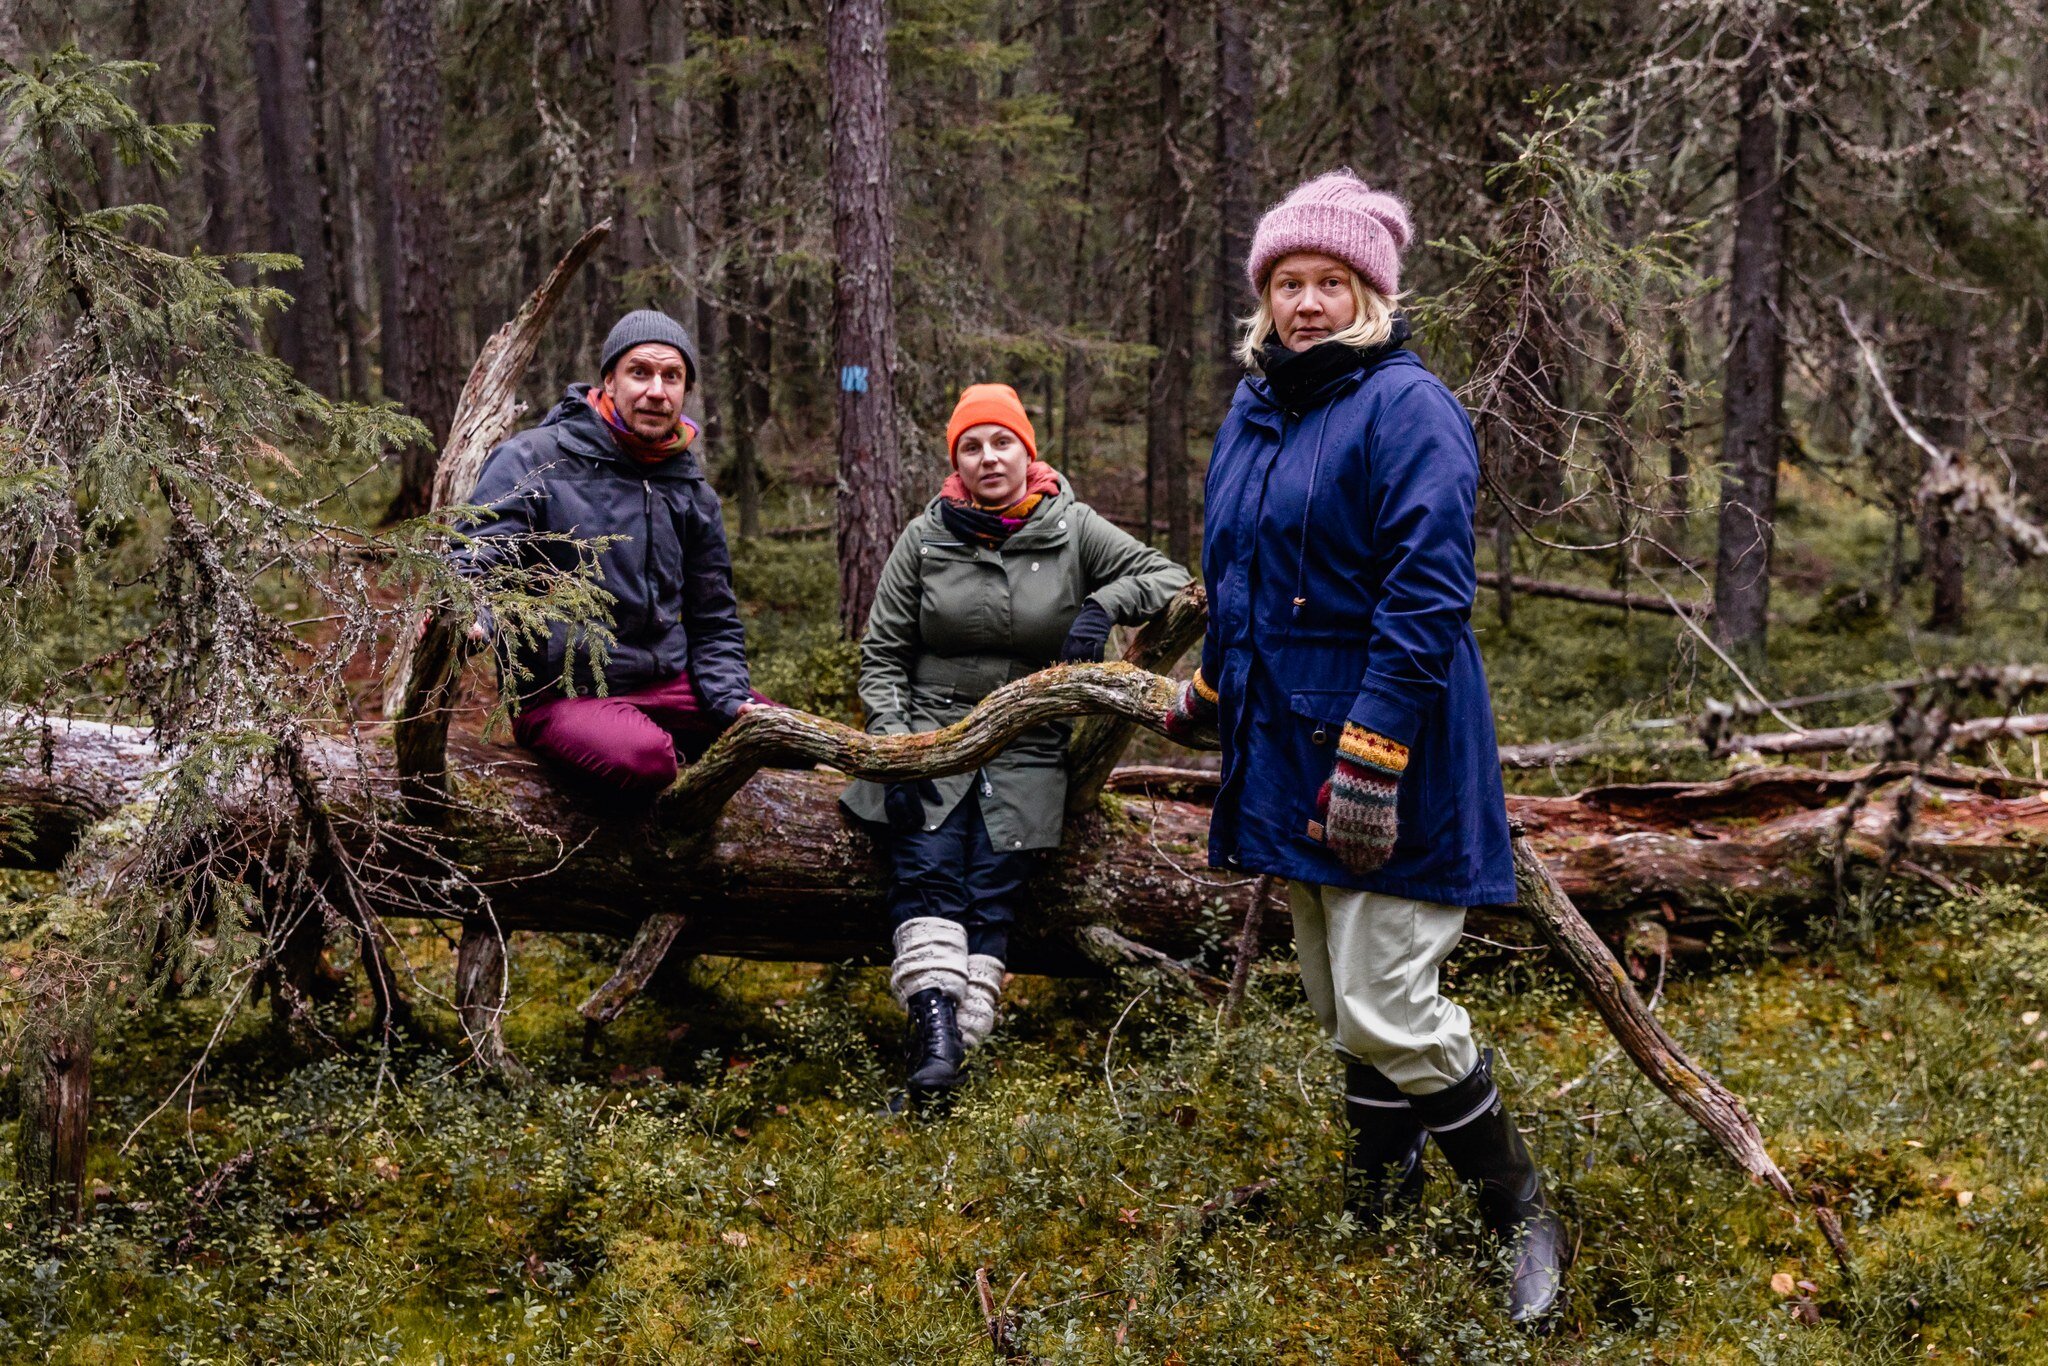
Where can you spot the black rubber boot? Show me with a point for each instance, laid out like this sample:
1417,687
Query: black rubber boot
932,1051
1475,1131
1384,1173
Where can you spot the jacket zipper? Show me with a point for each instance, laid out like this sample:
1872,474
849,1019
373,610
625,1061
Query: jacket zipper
647,549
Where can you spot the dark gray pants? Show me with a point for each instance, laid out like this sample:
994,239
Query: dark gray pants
955,872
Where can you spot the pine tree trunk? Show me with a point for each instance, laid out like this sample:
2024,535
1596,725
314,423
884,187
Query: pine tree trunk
633,146
420,365
749,345
1945,384
1385,120
351,261
1166,422
864,309
1236,110
345,341
280,47
1753,431
56,1114
216,176
1343,20
1677,456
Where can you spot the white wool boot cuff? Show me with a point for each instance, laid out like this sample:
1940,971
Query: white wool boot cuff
931,954
977,1013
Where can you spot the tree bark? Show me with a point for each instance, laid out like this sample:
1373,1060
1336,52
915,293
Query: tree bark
351,260
280,49
1166,419
56,1118
481,980
1344,80
1753,431
864,309
420,364
1677,456
1385,119
1236,113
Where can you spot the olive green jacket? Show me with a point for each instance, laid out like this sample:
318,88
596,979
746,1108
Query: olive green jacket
952,622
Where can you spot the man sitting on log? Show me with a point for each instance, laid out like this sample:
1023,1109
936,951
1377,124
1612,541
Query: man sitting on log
612,464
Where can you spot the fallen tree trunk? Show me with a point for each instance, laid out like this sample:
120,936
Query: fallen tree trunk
1870,739
782,874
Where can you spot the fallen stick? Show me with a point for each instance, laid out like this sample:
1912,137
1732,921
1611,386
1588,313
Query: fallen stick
637,966
1598,597
1654,1052
1247,948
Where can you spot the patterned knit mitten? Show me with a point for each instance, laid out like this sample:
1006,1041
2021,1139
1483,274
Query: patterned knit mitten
1192,717
1357,803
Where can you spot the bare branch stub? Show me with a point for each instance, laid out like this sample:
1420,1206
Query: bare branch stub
424,673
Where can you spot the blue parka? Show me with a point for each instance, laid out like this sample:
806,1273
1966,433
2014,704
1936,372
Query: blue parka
1338,554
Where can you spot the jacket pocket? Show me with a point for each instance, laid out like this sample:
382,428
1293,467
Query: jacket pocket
1319,720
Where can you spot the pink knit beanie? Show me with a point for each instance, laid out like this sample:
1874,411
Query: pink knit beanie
1339,215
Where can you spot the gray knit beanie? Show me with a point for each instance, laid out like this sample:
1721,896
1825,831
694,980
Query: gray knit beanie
644,325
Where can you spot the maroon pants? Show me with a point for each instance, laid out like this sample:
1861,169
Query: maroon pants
626,741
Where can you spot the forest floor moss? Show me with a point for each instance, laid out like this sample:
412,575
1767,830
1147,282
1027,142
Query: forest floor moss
720,1179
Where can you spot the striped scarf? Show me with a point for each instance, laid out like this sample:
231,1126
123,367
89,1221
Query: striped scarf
991,525
631,442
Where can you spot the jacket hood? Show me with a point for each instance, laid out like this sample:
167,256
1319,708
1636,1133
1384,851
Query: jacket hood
575,424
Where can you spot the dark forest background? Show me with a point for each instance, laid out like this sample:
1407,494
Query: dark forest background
1748,300
1654,241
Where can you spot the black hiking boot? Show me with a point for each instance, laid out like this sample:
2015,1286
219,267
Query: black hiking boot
1384,1171
1475,1131
932,1051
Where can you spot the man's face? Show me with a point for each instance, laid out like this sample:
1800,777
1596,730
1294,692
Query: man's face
647,386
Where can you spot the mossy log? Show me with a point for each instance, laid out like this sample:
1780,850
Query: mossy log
783,874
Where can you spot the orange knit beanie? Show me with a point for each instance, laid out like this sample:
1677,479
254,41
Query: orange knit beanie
997,403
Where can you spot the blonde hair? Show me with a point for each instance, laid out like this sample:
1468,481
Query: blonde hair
1373,324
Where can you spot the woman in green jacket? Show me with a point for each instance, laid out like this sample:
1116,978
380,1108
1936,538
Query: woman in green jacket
1003,574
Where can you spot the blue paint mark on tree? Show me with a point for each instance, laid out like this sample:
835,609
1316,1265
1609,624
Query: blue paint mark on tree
853,378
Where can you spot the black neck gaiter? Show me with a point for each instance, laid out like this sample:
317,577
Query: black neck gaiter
1298,378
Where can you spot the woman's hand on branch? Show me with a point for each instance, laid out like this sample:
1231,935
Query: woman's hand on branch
1192,718
1087,636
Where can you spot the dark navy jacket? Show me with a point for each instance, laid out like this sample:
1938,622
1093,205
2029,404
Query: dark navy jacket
1338,555
669,570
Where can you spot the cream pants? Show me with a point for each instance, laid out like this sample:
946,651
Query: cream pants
1369,967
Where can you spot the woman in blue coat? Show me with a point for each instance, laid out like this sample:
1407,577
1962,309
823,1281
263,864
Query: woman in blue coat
1343,678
